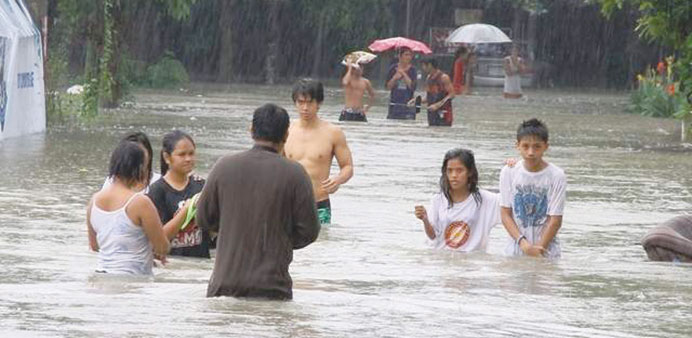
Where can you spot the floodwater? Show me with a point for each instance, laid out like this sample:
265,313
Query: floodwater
370,273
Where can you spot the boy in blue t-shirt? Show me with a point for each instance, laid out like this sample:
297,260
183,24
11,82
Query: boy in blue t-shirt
532,196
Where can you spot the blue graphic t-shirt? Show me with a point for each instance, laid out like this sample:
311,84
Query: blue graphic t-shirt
533,196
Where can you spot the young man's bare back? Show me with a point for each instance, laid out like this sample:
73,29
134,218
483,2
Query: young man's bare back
314,143
355,86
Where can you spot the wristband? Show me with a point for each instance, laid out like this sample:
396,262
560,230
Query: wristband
518,241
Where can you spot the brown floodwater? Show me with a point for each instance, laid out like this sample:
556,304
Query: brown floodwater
371,273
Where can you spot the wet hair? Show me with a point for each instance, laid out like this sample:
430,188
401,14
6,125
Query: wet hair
141,138
127,162
308,88
533,127
170,140
430,60
466,157
270,123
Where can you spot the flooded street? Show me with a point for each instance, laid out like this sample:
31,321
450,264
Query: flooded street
371,273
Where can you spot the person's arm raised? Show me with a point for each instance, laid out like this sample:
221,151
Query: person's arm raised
508,69
346,80
395,76
522,66
407,79
345,160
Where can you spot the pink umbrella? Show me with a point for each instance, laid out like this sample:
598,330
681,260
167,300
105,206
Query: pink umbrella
399,42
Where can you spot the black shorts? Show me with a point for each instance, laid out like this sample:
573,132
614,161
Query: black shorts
437,119
350,114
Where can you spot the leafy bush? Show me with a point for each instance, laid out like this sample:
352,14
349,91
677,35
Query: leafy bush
658,95
166,73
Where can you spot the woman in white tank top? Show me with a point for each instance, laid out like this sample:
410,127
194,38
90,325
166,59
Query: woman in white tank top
123,225
514,67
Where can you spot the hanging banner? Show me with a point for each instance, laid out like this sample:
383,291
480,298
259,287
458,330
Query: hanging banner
22,93
3,82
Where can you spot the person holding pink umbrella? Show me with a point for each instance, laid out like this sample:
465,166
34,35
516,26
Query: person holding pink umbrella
402,76
401,81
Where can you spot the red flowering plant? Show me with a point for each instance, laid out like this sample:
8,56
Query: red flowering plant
657,93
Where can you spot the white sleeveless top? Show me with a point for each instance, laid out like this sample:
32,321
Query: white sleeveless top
123,246
513,82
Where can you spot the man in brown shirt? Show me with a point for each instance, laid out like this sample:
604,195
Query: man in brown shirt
263,207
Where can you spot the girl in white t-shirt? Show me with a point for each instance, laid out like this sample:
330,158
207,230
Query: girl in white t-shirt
461,215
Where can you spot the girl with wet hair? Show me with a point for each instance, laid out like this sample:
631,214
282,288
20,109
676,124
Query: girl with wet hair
122,224
142,139
461,214
178,159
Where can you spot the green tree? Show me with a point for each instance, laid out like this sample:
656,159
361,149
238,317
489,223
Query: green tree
99,23
668,22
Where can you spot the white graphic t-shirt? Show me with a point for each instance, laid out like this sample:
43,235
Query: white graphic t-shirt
533,196
466,225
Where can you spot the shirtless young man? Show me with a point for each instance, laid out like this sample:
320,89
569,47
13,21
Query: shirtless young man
355,86
314,142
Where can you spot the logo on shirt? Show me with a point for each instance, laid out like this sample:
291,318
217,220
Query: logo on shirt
531,205
191,236
456,234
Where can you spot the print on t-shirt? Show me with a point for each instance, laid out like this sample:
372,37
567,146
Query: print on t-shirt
456,234
531,204
191,236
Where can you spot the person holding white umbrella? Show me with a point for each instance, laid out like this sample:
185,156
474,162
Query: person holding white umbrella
477,33
474,34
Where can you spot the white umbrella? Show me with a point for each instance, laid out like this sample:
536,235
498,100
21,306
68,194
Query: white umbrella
478,33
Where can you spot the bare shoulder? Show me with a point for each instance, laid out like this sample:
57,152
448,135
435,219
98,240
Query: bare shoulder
331,128
141,202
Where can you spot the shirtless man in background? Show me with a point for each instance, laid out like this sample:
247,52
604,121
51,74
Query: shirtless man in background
355,86
314,142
